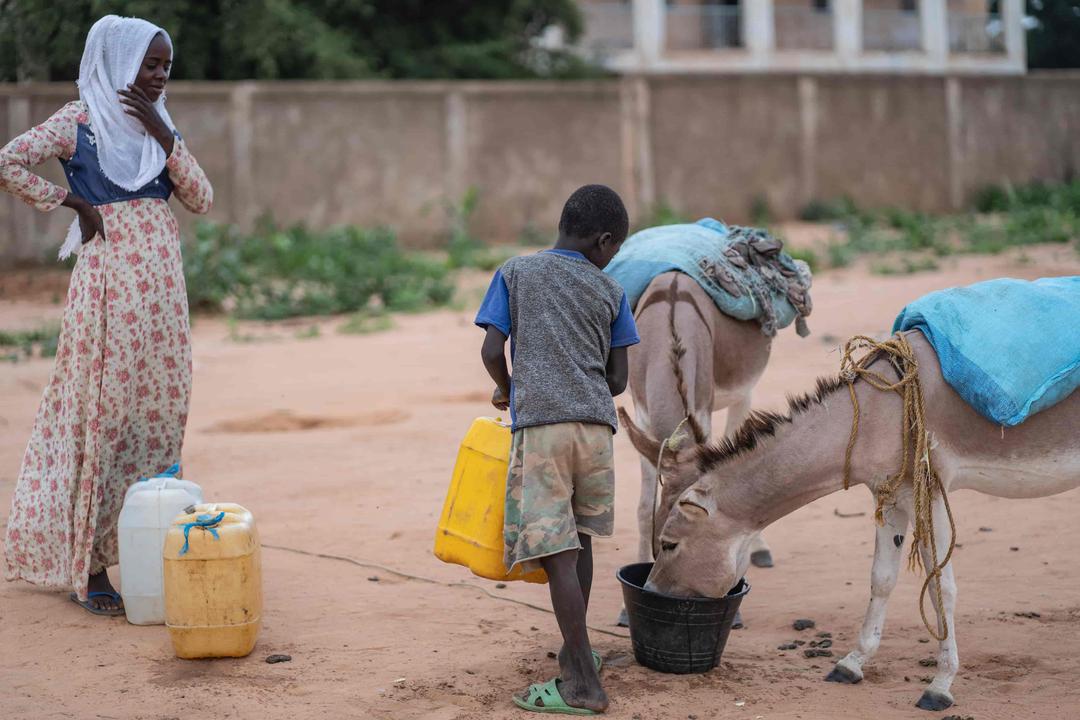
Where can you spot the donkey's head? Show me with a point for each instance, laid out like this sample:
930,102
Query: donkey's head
703,551
678,465
699,550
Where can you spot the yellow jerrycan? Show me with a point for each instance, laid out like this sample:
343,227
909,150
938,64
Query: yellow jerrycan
213,582
470,531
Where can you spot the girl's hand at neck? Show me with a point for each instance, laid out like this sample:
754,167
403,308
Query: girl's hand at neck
138,105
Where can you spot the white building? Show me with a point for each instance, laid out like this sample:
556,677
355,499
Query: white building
851,36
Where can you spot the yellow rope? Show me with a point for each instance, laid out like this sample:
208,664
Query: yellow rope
915,465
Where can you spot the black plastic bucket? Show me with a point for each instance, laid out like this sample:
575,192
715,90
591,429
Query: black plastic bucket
677,634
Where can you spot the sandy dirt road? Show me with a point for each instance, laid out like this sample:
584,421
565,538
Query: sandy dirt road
343,445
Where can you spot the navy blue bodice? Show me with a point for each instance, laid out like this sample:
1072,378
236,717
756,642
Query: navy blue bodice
86,179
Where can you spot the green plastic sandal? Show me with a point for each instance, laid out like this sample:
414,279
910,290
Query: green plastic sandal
548,694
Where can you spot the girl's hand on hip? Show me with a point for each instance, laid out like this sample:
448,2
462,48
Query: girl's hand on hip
138,105
90,221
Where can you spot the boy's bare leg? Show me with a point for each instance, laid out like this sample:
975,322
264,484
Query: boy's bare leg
579,684
584,573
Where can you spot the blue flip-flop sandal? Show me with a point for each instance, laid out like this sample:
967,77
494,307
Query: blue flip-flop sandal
89,607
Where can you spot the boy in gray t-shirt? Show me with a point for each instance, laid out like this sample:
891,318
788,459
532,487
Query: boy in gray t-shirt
569,325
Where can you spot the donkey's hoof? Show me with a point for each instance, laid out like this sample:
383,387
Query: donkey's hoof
624,619
934,701
737,623
841,674
761,558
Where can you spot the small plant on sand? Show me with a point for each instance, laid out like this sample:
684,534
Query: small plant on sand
277,273
661,213
18,345
761,213
366,322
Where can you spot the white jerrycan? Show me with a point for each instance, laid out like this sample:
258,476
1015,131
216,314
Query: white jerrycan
149,508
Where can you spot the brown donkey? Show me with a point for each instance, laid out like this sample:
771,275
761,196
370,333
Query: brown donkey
718,497
692,361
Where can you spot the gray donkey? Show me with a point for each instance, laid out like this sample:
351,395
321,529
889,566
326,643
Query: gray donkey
692,361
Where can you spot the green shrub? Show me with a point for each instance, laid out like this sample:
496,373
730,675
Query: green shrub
824,211
991,199
904,266
661,214
278,273
761,213
365,322
19,344
806,255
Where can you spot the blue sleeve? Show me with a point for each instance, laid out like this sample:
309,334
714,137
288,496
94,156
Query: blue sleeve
495,310
624,329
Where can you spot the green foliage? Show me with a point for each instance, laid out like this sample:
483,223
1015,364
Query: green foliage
531,236
661,213
277,273
366,322
1054,41
464,248
20,344
761,213
1009,217
306,39
823,211
904,266
806,255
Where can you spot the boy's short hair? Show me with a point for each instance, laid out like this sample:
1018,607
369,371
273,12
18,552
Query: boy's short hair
592,210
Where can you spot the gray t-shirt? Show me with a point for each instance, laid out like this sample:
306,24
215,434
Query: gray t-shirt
563,316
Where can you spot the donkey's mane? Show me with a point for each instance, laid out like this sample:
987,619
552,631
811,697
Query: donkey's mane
762,424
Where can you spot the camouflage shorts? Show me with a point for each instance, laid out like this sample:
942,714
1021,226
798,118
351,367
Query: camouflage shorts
561,483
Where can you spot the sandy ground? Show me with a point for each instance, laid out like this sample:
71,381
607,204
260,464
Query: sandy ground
344,444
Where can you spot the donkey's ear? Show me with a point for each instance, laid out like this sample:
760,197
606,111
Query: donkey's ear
645,444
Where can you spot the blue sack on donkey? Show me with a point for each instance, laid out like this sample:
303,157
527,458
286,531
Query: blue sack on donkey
1010,348
744,270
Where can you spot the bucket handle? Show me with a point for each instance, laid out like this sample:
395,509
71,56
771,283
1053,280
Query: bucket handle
206,522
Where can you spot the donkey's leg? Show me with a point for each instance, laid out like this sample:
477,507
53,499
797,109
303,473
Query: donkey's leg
888,551
737,413
646,512
937,695
645,518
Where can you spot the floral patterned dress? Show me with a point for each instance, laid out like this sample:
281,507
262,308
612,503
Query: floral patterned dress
117,403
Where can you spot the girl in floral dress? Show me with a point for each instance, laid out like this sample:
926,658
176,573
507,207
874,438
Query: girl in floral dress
117,402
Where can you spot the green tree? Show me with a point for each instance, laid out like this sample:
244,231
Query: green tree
1054,39
306,39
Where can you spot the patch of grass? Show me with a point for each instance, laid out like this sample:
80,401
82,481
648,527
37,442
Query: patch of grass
277,273
806,255
16,345
661,213
824,211
761,213
463,247
1007,217
904,266
309,333
366,323
531,236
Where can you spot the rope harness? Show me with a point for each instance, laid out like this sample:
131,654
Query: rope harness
664,446
915,464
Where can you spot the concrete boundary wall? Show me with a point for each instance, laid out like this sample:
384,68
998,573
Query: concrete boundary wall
398,154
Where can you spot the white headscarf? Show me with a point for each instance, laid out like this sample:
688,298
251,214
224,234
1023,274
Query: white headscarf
128,155
115,48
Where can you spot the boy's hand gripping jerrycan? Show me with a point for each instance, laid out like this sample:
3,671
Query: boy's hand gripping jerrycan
470,531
